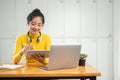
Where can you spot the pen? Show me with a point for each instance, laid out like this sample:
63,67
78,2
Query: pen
24,44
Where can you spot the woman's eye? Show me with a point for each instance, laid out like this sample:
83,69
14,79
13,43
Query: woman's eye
39,25
33,24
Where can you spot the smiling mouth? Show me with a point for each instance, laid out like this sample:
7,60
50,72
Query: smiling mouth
34,31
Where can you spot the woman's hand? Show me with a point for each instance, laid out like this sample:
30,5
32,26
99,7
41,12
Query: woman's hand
28,47
39,57
25,48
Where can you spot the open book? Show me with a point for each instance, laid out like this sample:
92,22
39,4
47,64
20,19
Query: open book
10,66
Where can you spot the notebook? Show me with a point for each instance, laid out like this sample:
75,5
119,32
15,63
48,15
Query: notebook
63,56
10,66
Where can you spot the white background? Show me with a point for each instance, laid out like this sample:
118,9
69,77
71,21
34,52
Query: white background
92,23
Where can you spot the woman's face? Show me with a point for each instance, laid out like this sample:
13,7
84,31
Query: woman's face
35,25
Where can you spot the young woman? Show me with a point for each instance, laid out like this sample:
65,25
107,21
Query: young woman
32,40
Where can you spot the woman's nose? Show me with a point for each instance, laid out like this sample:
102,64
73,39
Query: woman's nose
36,26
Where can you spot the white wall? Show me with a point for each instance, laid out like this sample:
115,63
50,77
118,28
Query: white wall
116,39
85,22
7,30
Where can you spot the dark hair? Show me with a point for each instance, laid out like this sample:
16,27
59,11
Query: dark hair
35,13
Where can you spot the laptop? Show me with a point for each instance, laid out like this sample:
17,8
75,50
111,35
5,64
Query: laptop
63,56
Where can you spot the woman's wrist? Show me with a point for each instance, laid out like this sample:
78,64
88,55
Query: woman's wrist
42,61
22,52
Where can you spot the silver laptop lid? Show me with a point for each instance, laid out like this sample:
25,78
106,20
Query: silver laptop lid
64,56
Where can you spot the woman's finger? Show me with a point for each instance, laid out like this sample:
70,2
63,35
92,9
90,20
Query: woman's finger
34,56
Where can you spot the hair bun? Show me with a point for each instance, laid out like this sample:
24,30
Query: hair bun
37,10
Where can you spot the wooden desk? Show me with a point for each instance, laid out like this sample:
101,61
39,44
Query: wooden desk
33,71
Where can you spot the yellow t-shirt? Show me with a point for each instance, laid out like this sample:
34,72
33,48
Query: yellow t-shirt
43,44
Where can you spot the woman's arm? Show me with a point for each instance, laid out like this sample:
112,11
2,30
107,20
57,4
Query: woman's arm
17,51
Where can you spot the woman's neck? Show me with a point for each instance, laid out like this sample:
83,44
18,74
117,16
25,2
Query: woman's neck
34,35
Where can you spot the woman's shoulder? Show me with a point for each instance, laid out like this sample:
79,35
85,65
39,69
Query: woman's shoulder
45,35
22,35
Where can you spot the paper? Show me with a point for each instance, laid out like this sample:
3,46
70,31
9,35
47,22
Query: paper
10,66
